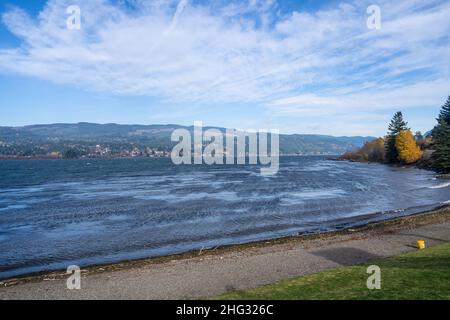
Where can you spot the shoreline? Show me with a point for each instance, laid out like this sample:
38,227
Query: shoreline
435,216
150,157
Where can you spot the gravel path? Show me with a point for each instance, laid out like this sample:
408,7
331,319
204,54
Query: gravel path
242,268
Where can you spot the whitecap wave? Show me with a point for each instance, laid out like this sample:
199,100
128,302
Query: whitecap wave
14,207
311,194
442,185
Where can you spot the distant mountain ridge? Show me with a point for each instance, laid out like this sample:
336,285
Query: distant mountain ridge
41,139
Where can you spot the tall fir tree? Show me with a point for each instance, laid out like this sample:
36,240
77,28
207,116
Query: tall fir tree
441,140
395,127
441,146
445,112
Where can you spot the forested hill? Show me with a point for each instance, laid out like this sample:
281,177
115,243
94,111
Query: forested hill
116,139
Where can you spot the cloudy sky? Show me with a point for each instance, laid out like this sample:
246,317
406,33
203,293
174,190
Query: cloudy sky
301,66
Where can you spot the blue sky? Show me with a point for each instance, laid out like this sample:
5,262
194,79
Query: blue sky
297,66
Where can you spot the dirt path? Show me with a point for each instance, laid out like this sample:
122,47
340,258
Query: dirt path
242,267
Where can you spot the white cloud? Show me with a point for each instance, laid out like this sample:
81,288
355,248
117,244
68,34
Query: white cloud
421,94
298,62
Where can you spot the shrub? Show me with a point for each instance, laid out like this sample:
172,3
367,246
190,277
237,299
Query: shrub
407,149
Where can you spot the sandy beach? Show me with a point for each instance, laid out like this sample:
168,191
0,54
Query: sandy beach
207,273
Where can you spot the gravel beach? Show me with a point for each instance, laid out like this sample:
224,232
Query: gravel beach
211,272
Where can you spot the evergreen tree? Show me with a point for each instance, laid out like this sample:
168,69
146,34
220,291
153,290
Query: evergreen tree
445,112
395,127
441,140
441,146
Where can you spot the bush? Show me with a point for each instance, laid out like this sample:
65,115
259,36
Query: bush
408,151
373,151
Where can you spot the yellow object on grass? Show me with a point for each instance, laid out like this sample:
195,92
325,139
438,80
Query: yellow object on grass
421,244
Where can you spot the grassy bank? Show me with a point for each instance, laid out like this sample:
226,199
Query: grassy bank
422,274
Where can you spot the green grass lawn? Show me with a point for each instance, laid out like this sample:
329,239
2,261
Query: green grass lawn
422,274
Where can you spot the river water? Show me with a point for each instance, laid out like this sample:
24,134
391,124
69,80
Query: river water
55,213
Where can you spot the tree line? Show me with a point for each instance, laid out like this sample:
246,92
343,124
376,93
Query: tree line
401,146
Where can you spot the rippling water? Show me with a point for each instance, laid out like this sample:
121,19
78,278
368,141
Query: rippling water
57,213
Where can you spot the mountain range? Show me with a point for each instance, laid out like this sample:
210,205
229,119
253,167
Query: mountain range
39,140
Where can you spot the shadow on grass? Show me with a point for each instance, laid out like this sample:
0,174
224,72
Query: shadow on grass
423,274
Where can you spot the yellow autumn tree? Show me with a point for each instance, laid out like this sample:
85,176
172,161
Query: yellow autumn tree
408,151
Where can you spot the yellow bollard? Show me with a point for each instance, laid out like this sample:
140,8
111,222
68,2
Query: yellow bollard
421,244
